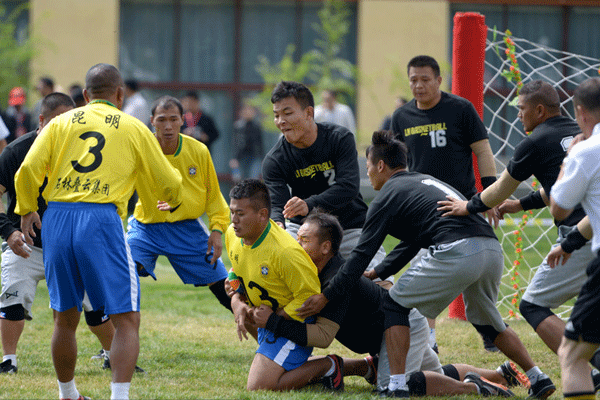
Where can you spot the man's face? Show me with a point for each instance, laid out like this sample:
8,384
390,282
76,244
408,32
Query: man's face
328,100
247,222
373,174
57,111
425,86
168,122
527,114
309,240
292,120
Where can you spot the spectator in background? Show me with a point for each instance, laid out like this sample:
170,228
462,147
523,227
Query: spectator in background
196,123
386,124
247,145
45,86
18,119
135,104
336,113
76,93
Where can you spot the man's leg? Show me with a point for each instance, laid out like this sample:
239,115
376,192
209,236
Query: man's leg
575,370
268,375
125,346
104,331
10,331
64,343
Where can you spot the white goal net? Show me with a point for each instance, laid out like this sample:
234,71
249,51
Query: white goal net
526,240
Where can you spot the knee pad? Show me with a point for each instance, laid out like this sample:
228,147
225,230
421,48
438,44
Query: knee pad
394,313
451,371
16,312
417,384
533,313
218,289
487,331
95,318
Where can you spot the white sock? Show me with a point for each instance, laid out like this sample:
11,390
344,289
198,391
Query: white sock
431,336
11,357
107,354
67,390
119,390
369,370
332,369
533,374
397,382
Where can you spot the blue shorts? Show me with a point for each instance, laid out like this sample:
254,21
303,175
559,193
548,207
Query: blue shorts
283,351
85,250
184,243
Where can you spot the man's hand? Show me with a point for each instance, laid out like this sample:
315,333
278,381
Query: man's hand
295,206
509,207
371,274
228,289
312,306
17,244
493,217
163,206
281,225
555,256
261,315
27,222
578,138
453,206
242,315
214,243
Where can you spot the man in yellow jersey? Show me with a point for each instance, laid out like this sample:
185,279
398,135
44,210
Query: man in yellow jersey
194,254
93,156
275,271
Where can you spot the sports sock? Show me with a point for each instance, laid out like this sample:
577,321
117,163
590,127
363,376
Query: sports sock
67,390
119,390
332,369
369,370
533,374
397,382
107,354
580,396
11,357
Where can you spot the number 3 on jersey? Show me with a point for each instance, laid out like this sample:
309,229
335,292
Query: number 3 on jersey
438,138
93,150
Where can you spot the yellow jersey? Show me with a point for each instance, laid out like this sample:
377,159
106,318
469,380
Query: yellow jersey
200,193
275,270
95,154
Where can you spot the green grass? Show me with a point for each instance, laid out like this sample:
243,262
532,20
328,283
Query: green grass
190,350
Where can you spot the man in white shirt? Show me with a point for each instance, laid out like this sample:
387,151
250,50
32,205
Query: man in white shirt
336,113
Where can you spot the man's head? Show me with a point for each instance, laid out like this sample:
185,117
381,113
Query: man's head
293,113
537,102
167,119
16,97
103,81
45,86
250,206
425,80
329,98
131,86
320,235
191,102
586,100
53,105
385,156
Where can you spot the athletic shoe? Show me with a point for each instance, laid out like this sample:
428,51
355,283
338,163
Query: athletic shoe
542,388
98,356
106,365
435,348
596,379
487,388
6,367
80,398
398,393
372,361
513,376
336,380
488,345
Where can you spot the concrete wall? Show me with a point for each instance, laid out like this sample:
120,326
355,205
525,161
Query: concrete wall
390,33
73,35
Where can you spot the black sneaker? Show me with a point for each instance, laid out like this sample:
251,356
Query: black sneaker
372,361
6,367
435,348
336,380
487,388
398,393
596,379
542,388
513,376
106,365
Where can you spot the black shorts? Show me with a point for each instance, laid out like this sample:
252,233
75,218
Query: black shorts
584,322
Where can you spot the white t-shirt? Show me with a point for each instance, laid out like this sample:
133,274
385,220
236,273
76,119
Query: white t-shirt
4,132
340,115
581,182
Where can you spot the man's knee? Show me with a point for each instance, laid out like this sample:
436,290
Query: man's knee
126,320
95,318
487,332
394,313
16,312
533,313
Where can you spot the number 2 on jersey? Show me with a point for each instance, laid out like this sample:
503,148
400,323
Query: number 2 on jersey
94,150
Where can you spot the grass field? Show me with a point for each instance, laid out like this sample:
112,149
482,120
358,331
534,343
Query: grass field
190,350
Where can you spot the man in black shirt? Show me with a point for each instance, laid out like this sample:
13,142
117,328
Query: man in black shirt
406,208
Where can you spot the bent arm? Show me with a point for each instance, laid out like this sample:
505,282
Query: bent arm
500,190
485,161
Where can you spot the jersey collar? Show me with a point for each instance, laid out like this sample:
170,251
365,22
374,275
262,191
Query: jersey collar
102,101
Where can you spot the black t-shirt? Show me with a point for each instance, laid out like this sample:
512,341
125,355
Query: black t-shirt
324,175
11,159
405,208
541,154
439,139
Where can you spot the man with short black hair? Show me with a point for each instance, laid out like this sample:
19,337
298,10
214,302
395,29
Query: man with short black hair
197,123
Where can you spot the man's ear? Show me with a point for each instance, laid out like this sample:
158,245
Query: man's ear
380,166
326,247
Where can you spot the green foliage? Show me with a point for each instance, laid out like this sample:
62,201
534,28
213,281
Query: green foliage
14,54
320,68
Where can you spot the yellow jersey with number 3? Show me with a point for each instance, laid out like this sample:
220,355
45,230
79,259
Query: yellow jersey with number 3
95,154
275,270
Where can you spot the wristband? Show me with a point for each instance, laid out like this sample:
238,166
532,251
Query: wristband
487,181
532,201
475,205
573,241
